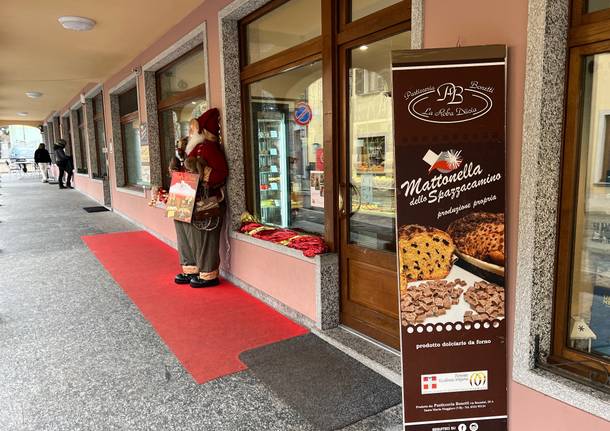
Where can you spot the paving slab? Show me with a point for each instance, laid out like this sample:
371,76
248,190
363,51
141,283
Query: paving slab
75,352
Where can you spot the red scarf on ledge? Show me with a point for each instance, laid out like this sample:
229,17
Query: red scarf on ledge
310,245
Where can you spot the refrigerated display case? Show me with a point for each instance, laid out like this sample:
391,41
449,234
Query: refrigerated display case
270,132
284,156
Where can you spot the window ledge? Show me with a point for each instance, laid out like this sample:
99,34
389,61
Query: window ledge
131,190
82,175
601,184
278,248
568,391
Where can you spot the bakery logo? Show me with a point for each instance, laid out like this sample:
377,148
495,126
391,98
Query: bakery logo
478,379
449,103
453,382
444,162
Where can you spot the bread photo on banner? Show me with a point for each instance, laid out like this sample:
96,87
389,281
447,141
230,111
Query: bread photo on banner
426,253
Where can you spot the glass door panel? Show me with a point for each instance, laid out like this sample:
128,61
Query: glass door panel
371,144
362,8
596,5
288,25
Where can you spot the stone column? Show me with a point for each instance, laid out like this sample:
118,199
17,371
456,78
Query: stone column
90,137
76,141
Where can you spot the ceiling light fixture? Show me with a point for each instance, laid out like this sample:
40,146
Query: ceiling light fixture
76,23
22,114
33,94
363,47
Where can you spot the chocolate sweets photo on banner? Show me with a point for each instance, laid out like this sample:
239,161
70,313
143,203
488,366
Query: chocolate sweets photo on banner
450,136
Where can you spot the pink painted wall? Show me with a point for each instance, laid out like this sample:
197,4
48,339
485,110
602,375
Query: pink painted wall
137,209
286,278
479,22
89,186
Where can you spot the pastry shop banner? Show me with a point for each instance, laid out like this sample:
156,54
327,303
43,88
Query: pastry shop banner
449,134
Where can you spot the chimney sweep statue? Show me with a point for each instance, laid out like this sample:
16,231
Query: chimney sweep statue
199,241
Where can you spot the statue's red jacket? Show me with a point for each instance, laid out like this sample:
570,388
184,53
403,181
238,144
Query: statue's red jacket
213,158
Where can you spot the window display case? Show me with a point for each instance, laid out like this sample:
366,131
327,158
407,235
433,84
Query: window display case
270,133
285,132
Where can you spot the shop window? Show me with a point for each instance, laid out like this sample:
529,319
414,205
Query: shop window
371,143
100,136
135,156
587,12
181,77
66,128
604,139
362,8
596,5
589,302
582,306
81,162
181,96
286,26
286,143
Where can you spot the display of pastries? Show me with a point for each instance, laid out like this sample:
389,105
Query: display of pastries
480,235
425,253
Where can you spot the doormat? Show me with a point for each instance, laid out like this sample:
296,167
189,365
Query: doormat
326,386
95,209
206,329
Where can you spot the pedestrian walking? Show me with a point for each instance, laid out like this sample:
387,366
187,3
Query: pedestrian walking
64,163
42,159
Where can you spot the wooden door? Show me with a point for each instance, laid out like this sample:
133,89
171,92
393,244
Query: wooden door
369,294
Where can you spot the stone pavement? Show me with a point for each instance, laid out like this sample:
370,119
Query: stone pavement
75,352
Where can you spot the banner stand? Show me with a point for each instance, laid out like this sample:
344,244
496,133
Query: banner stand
450,161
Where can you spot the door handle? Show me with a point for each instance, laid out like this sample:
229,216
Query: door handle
351,186
342,213
342,200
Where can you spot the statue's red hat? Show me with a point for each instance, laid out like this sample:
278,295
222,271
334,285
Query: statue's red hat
209,121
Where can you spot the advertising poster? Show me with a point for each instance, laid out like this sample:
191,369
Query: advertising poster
181,196
145,164
316,187
449,134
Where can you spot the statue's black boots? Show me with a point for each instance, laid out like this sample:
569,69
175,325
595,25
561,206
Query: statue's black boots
184,278
198,282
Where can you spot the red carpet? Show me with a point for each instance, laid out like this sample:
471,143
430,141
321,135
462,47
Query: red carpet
206,329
